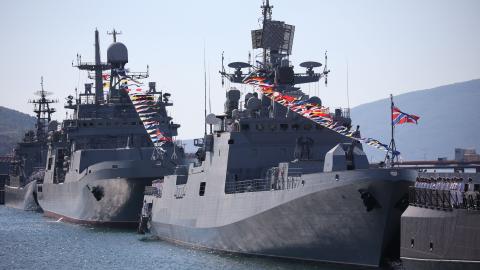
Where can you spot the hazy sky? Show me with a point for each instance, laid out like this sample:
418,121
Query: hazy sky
390,47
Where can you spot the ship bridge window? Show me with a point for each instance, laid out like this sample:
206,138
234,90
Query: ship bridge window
476,187
203,185
307,126
134,123
284,126
273,127
84,124
91,124
259,127
295,126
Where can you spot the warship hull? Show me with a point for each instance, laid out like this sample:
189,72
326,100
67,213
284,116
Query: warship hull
74,202
322,220
440,239
103,197
23,198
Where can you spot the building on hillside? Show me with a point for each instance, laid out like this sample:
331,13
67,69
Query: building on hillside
466,155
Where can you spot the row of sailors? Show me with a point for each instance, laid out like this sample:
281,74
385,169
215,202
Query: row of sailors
443,183
460,193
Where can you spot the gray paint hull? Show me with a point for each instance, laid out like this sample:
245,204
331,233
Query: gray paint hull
121,200
74,202
454,234
324,220
23,198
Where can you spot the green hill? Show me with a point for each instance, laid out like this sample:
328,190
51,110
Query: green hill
450,118
13,125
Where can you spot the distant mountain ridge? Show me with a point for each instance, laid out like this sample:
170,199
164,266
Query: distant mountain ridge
13,125
449,118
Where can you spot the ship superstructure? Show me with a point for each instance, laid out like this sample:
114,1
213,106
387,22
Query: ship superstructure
29,158
102,158
270,181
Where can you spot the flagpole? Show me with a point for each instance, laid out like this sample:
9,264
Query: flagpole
392,141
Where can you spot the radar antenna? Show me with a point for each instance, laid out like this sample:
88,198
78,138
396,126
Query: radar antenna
42,110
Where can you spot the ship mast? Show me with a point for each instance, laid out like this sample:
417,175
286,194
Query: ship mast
267,16
97,67
42,110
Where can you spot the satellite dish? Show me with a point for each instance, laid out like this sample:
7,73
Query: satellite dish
310,64
238,65
213,120
254,104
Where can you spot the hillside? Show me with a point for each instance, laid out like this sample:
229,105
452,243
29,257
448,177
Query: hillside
450,118
13,125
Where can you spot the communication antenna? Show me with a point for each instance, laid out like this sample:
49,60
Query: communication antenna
267,16
209,93
348,97
114,33
205,90
223,69
325,69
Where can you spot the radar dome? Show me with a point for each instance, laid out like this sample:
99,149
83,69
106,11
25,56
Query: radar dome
117,53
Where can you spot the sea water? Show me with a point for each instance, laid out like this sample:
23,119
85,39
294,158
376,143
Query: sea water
30,241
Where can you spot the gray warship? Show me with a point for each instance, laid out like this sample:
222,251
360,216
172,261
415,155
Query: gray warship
28,162
439,229
101,159
270,182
